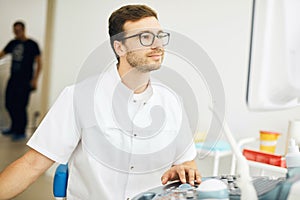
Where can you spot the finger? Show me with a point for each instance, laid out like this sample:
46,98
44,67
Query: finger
191,175
181,173
166,177
198,176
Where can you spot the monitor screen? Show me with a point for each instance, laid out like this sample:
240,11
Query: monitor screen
274,59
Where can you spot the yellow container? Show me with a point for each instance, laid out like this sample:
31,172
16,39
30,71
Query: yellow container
268,141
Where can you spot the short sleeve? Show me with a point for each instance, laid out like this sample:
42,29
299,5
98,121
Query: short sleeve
37,50
186,147
8,48
188,155
57,135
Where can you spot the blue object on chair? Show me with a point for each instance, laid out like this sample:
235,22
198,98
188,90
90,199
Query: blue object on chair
219,146
60,181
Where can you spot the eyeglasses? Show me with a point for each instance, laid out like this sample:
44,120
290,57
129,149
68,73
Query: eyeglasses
147,38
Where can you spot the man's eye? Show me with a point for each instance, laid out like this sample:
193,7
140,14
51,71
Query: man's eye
146,36
162,36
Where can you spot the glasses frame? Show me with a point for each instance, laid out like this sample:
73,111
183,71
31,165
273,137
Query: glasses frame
148,32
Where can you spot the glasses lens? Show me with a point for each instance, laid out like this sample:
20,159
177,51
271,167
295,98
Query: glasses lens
164,37
147,39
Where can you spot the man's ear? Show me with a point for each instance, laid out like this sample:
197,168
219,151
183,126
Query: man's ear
119,48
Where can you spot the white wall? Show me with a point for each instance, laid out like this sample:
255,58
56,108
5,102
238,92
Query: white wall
222,28
33,13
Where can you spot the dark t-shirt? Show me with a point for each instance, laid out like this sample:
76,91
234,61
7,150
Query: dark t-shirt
23,54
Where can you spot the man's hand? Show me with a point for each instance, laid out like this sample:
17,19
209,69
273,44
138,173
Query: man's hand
185,172
33,84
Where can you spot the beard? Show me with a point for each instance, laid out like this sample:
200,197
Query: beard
142,63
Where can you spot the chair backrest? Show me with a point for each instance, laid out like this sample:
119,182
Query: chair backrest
60,181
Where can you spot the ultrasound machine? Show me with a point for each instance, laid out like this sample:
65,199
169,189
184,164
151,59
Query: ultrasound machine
225,187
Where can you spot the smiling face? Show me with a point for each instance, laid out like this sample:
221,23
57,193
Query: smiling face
142,58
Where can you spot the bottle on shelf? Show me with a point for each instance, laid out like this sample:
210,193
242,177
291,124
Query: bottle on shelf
293,159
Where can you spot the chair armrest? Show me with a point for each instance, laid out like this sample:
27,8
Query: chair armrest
60,181
247,140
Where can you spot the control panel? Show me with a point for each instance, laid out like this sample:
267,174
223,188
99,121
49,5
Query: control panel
220,187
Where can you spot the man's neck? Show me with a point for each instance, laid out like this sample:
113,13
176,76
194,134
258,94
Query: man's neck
23,38
134,79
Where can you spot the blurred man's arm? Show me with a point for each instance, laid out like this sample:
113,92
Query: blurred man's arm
20,174
2,53
185,172
37,71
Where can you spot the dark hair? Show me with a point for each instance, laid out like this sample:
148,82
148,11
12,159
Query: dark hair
126,13
19,23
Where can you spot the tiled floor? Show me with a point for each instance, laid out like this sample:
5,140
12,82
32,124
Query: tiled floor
10,151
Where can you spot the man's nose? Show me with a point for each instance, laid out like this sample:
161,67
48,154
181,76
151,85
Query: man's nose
157,43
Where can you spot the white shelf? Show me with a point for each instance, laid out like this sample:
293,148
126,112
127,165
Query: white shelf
265,167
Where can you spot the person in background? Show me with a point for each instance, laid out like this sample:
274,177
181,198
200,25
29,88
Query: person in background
23,79
107,160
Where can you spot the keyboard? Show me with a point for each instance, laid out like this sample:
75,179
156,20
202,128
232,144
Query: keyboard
262,185
266,188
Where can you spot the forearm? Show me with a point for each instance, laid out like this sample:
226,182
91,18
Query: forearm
36,74
23,172
38,67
